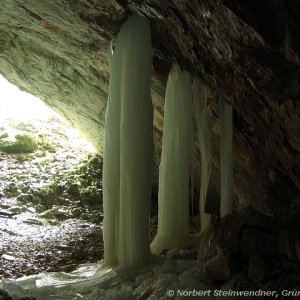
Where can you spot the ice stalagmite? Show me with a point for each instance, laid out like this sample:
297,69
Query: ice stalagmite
111,161
174,171
136,144
128,156
205,149
226,158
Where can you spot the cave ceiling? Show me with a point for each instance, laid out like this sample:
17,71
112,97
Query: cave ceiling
246,51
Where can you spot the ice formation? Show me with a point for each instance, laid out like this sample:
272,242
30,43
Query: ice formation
226,158
111,162
205,149
174,171
93,282
128,152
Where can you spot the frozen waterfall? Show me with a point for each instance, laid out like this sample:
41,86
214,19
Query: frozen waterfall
128,153
205,149
174,171
226,158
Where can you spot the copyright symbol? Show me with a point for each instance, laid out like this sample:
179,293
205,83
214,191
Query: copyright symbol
170,293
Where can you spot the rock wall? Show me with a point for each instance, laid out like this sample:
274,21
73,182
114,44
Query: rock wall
248,52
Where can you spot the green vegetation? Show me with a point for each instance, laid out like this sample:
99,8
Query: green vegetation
23,143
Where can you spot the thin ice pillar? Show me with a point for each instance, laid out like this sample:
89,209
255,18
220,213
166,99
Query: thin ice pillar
205,148
174,171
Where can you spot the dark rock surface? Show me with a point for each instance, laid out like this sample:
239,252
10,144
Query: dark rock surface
259,259
247,51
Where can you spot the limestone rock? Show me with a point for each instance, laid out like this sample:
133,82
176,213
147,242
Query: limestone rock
258,266
287,243
228,231
5,296
217,268
254,242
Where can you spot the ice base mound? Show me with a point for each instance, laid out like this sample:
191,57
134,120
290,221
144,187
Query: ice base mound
95,282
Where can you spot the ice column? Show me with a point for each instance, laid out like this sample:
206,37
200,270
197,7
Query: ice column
174,171
226,158
205,148
111,160
128,153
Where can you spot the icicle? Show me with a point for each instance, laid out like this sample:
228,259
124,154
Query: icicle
226,158
128,152
136,143
174,171
205,149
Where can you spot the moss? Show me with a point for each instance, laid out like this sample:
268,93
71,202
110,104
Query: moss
4,136
83,182
45,144
23,143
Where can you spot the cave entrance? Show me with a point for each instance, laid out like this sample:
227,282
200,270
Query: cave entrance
50,189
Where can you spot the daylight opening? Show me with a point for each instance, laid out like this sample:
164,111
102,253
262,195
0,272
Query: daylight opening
21,110
50,189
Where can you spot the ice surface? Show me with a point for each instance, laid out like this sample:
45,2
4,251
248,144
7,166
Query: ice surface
174,171
226,158
95,282
205,148
128,152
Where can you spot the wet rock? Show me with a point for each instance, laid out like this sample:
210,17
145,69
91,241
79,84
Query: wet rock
15,209
4,295
11,190
141,278
47,214
287,244
24,198
245,285
31,210
190,254
297,247
33,221
51,200
228,231
76,212
258,266
39,208
67,268
173,253
182,265
259,221
85,225
6,213
255,242
155,287
169,266
185,281
217,268
5,205
8,257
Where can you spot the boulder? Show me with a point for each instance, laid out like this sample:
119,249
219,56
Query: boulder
258,266
255,242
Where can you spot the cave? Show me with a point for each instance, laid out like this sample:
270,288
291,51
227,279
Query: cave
245,57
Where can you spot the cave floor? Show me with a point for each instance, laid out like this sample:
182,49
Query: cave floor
28,249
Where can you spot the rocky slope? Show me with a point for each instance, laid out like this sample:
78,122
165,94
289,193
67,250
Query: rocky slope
50,202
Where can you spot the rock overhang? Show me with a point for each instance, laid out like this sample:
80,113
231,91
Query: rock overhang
58,51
